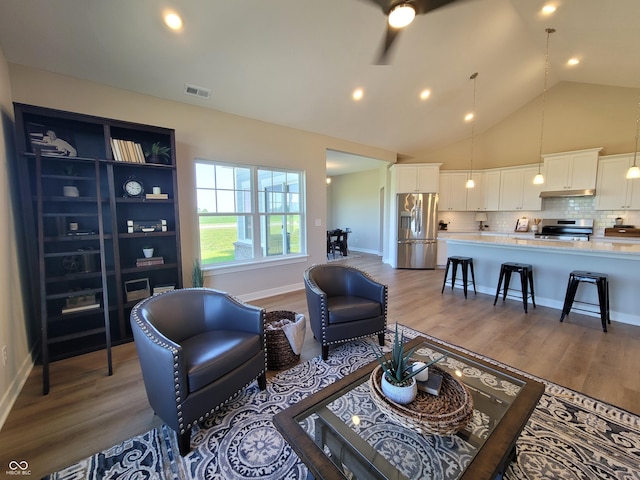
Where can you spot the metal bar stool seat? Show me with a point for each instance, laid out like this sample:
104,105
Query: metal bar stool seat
601,281
466,263
526,282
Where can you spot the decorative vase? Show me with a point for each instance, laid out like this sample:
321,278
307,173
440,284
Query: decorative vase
398,394
148,252
70,191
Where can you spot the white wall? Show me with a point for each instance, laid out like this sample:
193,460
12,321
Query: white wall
14,330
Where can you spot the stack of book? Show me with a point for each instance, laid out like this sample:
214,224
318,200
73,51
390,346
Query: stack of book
80,303
127,151
146,262
157,196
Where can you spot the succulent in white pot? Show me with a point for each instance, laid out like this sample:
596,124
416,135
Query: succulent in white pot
398,382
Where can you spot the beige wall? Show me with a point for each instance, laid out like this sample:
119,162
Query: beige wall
577,116
208,134
13,327
354,202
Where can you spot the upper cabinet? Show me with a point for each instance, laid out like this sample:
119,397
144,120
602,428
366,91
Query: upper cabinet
517,190
614,191
576,170
453,192
416,178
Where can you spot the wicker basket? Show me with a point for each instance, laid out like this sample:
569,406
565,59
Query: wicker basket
279,351
446,414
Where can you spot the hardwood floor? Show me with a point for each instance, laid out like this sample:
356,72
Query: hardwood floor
88,411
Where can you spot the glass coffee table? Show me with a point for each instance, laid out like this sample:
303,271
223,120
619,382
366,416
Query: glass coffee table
341,433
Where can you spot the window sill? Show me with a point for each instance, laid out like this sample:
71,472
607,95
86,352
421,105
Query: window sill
254,265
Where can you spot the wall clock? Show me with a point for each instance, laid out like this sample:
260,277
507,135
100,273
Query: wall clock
133,187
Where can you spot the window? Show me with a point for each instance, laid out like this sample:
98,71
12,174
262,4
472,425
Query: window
247,213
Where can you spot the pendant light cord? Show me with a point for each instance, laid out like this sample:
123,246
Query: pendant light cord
473,120
635,151
544,94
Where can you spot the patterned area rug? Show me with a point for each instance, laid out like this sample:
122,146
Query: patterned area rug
569,436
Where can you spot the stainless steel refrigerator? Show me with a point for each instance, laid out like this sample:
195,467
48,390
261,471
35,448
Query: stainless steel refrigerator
417,230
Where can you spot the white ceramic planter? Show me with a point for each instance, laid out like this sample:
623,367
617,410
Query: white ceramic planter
148,252
401,395
423,376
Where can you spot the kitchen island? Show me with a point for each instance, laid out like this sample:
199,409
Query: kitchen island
552,262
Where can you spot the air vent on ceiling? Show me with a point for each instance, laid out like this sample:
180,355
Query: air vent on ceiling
196,91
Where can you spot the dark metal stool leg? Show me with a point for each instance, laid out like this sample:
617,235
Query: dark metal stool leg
446,273
499,284
523,287
473,277
464,265
454,270
572,287
507,280
533,296
602,300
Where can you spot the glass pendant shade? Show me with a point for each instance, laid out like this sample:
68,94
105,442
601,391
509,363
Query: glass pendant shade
470,183
633,172
401,16
538,179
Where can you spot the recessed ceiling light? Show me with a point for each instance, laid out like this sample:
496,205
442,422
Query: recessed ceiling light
358,93
573,61
424,94
548,9
173,20
468,117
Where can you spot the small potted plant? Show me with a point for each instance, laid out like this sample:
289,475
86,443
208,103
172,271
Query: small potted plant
147,251
158,153
398,382
197,276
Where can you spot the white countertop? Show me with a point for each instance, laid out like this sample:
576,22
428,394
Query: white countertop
600,245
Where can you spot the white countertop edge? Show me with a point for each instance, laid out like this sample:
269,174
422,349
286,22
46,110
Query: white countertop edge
629,251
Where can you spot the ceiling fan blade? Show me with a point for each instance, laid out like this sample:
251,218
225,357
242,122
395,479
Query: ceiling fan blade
426,6
389,38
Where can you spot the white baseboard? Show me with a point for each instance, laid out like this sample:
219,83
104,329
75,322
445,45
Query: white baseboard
11,395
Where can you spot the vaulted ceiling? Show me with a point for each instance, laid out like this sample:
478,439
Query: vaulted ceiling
296,62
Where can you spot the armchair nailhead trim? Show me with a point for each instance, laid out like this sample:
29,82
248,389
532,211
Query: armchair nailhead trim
174,351
323,303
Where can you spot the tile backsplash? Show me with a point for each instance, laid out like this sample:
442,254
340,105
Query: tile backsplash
568,207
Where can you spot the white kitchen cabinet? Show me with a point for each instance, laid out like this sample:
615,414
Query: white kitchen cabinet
441,256
476,195
491,184
416,178
517,190
613,190
575,170
452,191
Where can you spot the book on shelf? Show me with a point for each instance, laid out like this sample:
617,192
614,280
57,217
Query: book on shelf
81,308
432,385
127,151
157,196
163,288
145,262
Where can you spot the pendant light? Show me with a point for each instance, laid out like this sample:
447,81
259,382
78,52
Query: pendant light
539,178
470,183
634,171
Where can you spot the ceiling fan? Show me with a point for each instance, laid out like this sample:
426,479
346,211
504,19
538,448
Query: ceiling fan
401,13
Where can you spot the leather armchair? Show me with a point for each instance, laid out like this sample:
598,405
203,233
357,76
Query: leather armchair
344,304
198,347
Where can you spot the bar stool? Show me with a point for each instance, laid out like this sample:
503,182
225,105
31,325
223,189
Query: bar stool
601,281
526,276
466,263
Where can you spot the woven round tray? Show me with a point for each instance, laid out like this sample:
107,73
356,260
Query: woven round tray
445,414
279,351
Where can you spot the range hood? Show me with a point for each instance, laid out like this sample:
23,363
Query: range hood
568,193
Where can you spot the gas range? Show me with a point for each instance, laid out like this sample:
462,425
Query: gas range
565,230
